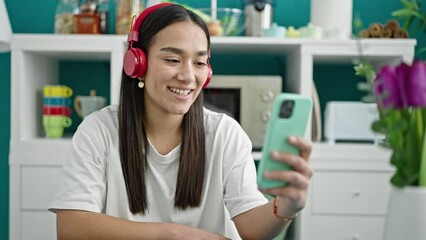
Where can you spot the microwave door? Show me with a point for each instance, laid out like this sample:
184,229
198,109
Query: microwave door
224,100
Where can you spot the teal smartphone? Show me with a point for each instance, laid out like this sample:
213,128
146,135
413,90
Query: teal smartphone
289,117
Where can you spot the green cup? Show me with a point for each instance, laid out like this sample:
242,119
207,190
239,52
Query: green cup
54,125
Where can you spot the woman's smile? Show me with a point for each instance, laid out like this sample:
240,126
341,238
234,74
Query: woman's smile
181,92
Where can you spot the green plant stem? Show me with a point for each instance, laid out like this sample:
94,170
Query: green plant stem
422,170
419,127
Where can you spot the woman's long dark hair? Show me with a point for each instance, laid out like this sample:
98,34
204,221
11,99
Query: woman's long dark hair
132,134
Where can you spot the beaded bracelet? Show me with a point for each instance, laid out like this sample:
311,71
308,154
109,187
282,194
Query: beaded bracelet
284,219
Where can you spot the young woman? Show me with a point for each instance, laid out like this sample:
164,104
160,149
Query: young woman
159,165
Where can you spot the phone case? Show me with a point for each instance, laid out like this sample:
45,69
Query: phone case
277,132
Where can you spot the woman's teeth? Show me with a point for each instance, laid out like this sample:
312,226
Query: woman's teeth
180,91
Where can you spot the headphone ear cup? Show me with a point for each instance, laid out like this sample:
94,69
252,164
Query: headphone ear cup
135,63
209,76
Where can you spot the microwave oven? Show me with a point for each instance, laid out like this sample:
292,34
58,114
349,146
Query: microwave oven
248,99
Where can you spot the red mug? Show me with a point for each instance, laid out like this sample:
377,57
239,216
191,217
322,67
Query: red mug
56,110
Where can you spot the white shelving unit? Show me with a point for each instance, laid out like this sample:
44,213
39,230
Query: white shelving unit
35,161
348,194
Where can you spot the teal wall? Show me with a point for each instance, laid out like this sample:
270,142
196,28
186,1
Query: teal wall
29,16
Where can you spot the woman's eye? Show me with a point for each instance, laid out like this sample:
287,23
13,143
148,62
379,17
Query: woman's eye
201,64
170,60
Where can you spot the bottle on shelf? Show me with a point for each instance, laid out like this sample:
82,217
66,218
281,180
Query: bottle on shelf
125,10
103,10
64,16
88,21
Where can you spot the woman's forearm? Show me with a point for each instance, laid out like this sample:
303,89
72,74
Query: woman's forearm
75,224
260,223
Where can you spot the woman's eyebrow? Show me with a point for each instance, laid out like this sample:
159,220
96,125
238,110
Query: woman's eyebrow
172,49
180,51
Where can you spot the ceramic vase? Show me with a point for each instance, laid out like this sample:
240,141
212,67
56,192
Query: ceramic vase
333,16
406,215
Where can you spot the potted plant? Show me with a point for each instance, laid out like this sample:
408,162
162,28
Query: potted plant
411,13
401,97
400,93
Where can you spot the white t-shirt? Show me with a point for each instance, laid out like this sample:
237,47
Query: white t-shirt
92,177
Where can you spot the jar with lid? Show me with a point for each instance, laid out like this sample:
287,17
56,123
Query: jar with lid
125,10
103,10
259,16
64,16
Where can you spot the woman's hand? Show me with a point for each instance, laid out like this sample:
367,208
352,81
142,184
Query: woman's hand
292,198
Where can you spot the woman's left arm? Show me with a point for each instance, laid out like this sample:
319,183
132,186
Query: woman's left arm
268,220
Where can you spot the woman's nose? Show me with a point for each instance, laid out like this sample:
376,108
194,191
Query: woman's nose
186,72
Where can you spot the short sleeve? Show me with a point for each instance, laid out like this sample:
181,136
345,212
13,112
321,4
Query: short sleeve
82,184
241,193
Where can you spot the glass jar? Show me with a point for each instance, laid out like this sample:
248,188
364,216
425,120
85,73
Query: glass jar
103,10
125,10
64,16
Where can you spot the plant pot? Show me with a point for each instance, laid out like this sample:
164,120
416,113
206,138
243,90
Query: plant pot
406,216
333,16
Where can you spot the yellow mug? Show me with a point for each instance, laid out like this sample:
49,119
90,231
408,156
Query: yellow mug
57,91
54,125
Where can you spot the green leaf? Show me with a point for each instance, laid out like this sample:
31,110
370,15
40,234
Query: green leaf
398,180
416,14
406,135
407,4
422,171
408,23
378,127
415,4
368,99
396,161
363,86
402,13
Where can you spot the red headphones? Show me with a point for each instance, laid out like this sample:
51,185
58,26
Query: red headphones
135,62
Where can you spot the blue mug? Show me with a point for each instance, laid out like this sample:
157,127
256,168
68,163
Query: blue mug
57,101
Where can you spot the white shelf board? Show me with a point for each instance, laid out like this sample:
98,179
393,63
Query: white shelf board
325,50
43,151
253,45
69,46
87,46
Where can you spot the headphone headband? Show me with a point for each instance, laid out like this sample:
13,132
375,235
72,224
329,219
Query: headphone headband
134,32
135,61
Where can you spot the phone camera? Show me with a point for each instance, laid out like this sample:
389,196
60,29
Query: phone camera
286,109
